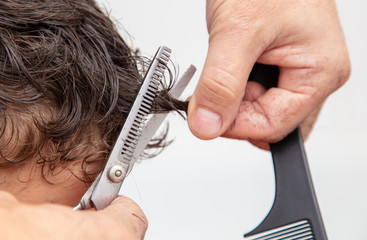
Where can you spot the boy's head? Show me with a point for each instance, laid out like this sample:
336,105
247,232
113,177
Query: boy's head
67,82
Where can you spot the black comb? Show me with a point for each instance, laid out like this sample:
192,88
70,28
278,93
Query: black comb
295,214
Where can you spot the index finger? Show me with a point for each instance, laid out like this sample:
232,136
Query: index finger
279,110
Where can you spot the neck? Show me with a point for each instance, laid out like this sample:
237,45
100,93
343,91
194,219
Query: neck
28,184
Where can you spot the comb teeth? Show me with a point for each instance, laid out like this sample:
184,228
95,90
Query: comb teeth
295,231
147,95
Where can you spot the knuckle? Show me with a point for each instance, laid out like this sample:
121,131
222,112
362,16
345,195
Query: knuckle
137,215
344,72
141,222
220,88
132,219
255,124
341,69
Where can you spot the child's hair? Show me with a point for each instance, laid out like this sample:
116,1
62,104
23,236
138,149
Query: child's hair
67,83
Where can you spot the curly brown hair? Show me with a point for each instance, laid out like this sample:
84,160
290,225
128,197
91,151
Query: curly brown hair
67,83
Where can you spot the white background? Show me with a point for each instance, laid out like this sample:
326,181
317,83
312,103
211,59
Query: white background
222,189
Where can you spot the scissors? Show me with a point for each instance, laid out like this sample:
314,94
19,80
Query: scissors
135,134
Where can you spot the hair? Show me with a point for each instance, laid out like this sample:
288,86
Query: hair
67,83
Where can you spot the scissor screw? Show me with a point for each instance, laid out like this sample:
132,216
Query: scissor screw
116,173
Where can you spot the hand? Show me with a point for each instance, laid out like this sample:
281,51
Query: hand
303,38
123,219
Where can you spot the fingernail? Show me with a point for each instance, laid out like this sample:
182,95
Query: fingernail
206,124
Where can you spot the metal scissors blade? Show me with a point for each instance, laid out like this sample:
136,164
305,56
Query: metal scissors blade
103,191
154,123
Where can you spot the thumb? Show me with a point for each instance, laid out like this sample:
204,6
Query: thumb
129,218
216,100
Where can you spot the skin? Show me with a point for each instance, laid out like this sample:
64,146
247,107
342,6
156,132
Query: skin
303,38
28,185
123,219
